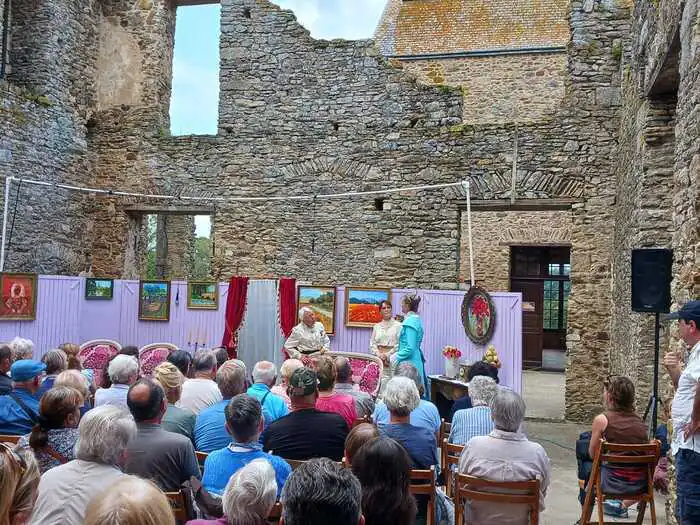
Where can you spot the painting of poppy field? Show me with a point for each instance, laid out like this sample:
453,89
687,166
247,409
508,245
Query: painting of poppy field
362,305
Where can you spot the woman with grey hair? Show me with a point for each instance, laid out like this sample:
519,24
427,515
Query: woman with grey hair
308,337
65,491
505,455
123,371
475,421
401,398
411,337
21,348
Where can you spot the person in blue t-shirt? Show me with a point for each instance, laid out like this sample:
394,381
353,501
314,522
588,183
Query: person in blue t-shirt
264,377
244,421
19,410
210,428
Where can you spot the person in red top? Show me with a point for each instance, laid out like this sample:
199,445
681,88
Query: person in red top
328,399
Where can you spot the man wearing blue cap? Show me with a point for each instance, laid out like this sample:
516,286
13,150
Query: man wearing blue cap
19,410
685,414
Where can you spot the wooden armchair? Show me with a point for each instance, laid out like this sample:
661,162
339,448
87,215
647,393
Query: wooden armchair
423,484
7,438
445,429
201,458
450,460
470,489
643,456
178,503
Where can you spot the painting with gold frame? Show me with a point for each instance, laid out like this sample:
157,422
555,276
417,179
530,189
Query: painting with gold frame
154,300
19,292
362,306
202,295
321,299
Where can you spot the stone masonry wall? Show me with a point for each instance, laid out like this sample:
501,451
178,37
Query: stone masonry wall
502,88
494,232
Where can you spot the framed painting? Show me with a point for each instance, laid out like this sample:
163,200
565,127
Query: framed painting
203,295
321,299
154,300
478,315
362,305
18,296
99,289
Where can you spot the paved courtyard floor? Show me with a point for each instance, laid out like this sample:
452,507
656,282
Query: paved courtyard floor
544,395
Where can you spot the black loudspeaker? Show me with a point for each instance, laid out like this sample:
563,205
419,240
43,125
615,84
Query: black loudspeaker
651,280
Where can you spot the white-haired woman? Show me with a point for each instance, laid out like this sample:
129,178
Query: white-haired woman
475,421
123,371
286,371
130,501
21,348
249,496
308,337
401,398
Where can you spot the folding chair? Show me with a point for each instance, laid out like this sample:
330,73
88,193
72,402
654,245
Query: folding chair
178,504
469,488
643,456
450,458
423,484
201,458
444,431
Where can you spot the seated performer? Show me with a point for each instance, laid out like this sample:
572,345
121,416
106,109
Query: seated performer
307,337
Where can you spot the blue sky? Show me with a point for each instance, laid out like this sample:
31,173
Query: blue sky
195,98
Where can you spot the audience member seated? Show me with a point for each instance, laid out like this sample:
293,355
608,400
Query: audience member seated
19,479
201,391
56,361
306,432
123,372
221,355
53,437
619,424
182,360
210,432
505,455
164,457
383,468
480,368
5,364
475,421
286,371
364,404
401,398
65,491
22,349
425,415
75,379
19,410
249,496
176,419
321,492
328,399
244,422
131,501
357,437
264,378
130,350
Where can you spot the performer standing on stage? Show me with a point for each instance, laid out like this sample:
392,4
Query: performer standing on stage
307,337
385,338
411,337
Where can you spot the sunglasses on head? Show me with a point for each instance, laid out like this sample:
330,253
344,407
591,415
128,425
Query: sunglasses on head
14,457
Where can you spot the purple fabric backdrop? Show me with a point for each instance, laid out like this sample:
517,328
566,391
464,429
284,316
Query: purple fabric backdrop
64,315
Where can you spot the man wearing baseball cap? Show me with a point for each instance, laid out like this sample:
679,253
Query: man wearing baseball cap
685,413
19,410
305,432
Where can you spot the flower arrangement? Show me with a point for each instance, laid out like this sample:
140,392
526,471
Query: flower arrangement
451,352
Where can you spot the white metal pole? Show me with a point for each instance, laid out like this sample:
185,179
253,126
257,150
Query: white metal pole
8,182
466,186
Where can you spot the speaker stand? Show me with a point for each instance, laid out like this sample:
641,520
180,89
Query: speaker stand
653,404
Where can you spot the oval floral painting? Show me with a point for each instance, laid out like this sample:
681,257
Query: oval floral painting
478,315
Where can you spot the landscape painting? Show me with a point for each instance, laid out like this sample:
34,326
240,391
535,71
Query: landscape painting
154,300
321,299
362,305
18,296
99,289
203,295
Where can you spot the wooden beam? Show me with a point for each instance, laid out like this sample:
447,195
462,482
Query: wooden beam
559,203
139,209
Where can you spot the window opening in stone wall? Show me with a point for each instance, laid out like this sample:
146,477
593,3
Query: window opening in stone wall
329,19
194,103
177,247
201,268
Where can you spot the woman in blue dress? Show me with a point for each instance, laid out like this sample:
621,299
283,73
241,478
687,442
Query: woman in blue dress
411,337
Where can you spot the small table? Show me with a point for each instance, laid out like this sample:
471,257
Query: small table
444,392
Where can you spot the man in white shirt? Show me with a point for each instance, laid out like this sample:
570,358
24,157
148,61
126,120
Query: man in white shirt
307,337
685,413
201,391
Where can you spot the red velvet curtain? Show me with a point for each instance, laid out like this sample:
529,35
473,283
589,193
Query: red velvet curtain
235,310
287,306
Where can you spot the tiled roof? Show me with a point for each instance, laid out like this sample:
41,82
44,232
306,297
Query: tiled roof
417,27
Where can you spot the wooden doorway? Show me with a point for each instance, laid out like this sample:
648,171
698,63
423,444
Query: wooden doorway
541,274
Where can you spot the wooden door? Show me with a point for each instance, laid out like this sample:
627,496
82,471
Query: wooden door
533,301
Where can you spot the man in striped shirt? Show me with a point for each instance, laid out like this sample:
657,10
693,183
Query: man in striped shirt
475,421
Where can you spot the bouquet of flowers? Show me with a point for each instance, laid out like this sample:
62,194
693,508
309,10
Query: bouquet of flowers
451,352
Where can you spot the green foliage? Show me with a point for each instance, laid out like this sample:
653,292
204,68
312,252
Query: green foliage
616,50
38,98
201,269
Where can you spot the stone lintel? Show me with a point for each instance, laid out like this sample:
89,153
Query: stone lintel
519,204
139,209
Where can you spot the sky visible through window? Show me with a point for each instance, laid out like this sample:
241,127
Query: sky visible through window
195,96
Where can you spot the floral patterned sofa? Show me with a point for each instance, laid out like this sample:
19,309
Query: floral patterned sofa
150,356
95,355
